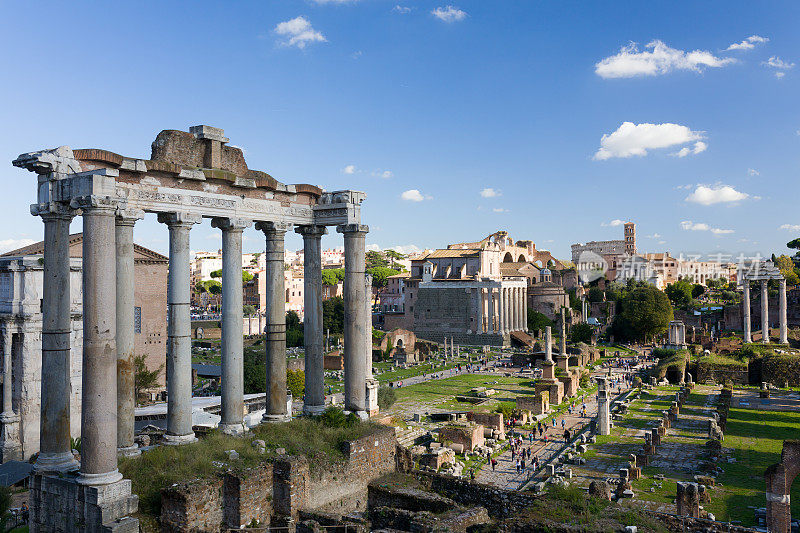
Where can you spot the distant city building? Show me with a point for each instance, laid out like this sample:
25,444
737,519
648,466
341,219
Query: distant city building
623,247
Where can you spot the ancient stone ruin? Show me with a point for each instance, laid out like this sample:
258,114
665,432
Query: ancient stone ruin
189,176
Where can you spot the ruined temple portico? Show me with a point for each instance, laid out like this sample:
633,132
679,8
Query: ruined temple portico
190,176
763,273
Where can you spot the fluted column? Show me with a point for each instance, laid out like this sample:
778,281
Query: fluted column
9,437
784,333
746,325
502,316
524,309
275,329
232,401
179,342
126,289
55,451
99,374
520,319
491,301
314,401
764,312
507,310
355,319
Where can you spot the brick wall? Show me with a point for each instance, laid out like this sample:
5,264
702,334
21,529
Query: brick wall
192,506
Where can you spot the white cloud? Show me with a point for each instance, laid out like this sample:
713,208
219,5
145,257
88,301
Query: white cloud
688,225
705,195
403,10
613,223
298,32
490,193
500,210
635,139
753,172
780,74
653,236
413,195
699,146
694,226
657,59
790,227
349,169
6,245
748,44
776,62
449,14
406,249
385,174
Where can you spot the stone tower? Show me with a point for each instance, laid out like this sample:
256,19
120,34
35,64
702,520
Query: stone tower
630,238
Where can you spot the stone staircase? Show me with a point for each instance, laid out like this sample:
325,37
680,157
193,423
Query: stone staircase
407,437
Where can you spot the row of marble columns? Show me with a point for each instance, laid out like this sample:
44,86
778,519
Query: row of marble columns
502,310
108,402
783,335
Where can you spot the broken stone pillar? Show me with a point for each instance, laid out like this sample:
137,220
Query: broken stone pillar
745,312
656,437
9,438
783,331
634,472
687,501
603,415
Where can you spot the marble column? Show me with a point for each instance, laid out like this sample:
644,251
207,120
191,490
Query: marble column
275,329
55,451
507,310
784,333
746,325
490,300
521,304
502,317
764,312
563,332
9,438
314,402
548,345
355,319
524,309
476,314
126,289
179,342
99,373
232,400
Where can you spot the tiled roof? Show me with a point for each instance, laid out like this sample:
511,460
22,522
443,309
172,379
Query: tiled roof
445,254
140,252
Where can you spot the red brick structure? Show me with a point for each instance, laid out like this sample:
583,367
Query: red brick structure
779,478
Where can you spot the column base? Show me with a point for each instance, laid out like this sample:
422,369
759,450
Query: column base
59,503
235,429
94,480
273,419
129,451
313,410
175,440
10,448
56,462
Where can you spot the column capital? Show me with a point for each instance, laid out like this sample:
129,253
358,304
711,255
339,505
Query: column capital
230,224
268,226
94,202
179,218
53,210
311,231
352,228
128,216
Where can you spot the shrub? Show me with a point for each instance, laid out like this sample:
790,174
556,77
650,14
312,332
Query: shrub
296,382
386,397
333,417
506,409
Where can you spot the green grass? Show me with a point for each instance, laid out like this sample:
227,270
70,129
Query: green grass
757,439
164,465
441,393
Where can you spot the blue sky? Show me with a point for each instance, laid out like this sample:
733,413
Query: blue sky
447,99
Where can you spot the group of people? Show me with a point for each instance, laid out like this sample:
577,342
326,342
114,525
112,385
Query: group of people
521,456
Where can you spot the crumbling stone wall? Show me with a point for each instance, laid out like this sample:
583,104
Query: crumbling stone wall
779,478
192,506
244,497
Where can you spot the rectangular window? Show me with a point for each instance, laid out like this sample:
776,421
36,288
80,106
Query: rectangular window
5,285
137,319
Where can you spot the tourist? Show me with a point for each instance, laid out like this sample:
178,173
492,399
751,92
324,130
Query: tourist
522,464
494,464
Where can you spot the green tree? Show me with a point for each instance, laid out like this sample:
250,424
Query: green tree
380,275
386,397
332,276
333,315
537,320
376,259
143,378
247,276
580,333
215,287
5,506
595,294
698,290
646,312
680,293
216,273
248,310
294,330
296,382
